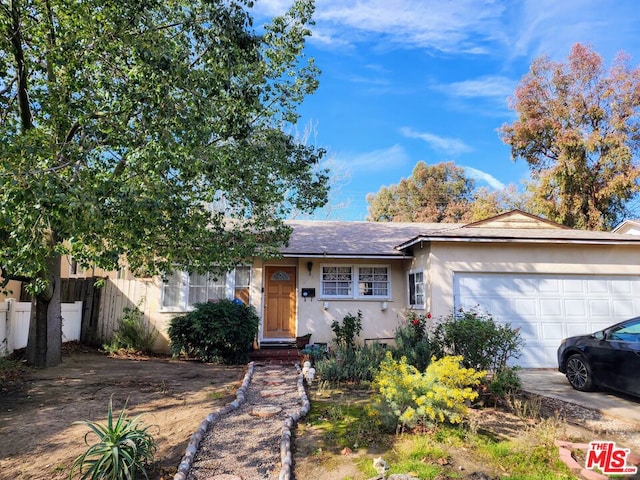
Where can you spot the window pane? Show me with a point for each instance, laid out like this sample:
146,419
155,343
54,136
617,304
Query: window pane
243,276
216,286
197,295
416,288
336,281
172,290
242,294
373,281
205,287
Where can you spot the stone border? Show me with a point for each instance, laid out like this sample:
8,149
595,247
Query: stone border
196,438
286,458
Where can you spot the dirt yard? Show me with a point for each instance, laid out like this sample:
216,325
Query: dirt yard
38,438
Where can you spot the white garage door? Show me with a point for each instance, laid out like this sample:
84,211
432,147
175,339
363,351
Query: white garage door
548,308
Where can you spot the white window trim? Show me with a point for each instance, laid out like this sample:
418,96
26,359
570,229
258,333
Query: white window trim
355,280
229,290
417,306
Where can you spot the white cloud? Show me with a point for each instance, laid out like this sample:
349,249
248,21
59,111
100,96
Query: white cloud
375,160
527,28
451,146
459,26
492,86
485,177
550,27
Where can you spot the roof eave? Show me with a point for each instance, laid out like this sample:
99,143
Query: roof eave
398,256
488,239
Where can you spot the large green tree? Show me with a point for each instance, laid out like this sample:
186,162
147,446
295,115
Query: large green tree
439,193
433,193
123,124
578,129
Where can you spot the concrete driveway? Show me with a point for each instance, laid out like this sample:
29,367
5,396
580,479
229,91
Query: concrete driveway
553,384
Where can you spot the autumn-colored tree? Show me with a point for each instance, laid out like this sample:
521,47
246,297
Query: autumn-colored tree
433,193
488,203
578,129
439,193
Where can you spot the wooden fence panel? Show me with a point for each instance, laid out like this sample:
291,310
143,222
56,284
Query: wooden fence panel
116,295
102,307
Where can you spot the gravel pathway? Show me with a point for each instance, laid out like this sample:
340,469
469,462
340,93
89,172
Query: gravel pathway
251,439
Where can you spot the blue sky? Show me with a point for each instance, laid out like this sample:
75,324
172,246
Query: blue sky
404,81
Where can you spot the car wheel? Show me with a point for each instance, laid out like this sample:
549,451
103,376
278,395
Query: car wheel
579,373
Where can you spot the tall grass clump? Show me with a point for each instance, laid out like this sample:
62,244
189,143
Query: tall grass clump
132,333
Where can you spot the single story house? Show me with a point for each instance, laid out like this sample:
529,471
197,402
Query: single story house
548,280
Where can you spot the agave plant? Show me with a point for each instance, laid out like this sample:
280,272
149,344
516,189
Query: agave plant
124,449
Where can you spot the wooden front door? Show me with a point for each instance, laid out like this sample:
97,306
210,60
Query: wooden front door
280,302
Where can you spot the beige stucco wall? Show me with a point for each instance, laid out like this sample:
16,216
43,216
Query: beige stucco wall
314,318
12,290
445,259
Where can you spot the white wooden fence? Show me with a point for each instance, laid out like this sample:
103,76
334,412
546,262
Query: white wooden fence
14,324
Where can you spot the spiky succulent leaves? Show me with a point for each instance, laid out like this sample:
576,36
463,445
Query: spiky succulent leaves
123,451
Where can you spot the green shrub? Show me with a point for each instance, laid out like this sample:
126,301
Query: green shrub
221,331
347,331
124,449
505,382
350,364
483,343
412,341
438,395
132,334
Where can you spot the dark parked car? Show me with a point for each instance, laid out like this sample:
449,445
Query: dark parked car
609,358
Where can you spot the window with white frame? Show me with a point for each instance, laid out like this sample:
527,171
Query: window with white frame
182,290
416,289
337,281
361,281
373,282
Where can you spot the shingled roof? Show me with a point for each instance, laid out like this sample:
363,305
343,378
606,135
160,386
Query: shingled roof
394,240
354,239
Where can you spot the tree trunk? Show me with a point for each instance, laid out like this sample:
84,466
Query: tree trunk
44,348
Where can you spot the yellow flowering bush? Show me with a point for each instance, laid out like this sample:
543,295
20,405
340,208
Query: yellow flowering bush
438,395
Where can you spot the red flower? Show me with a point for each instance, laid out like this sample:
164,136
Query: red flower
429,315
416,322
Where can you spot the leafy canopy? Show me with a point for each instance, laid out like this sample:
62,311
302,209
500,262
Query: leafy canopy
438,193
578,130
152,130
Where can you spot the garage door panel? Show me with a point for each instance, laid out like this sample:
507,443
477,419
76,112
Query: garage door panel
575,308
622,287
598,286
500,307
624,308
599,308
573,285
526,306
549,285
551,306
553,331
548,308
574,329
527,330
